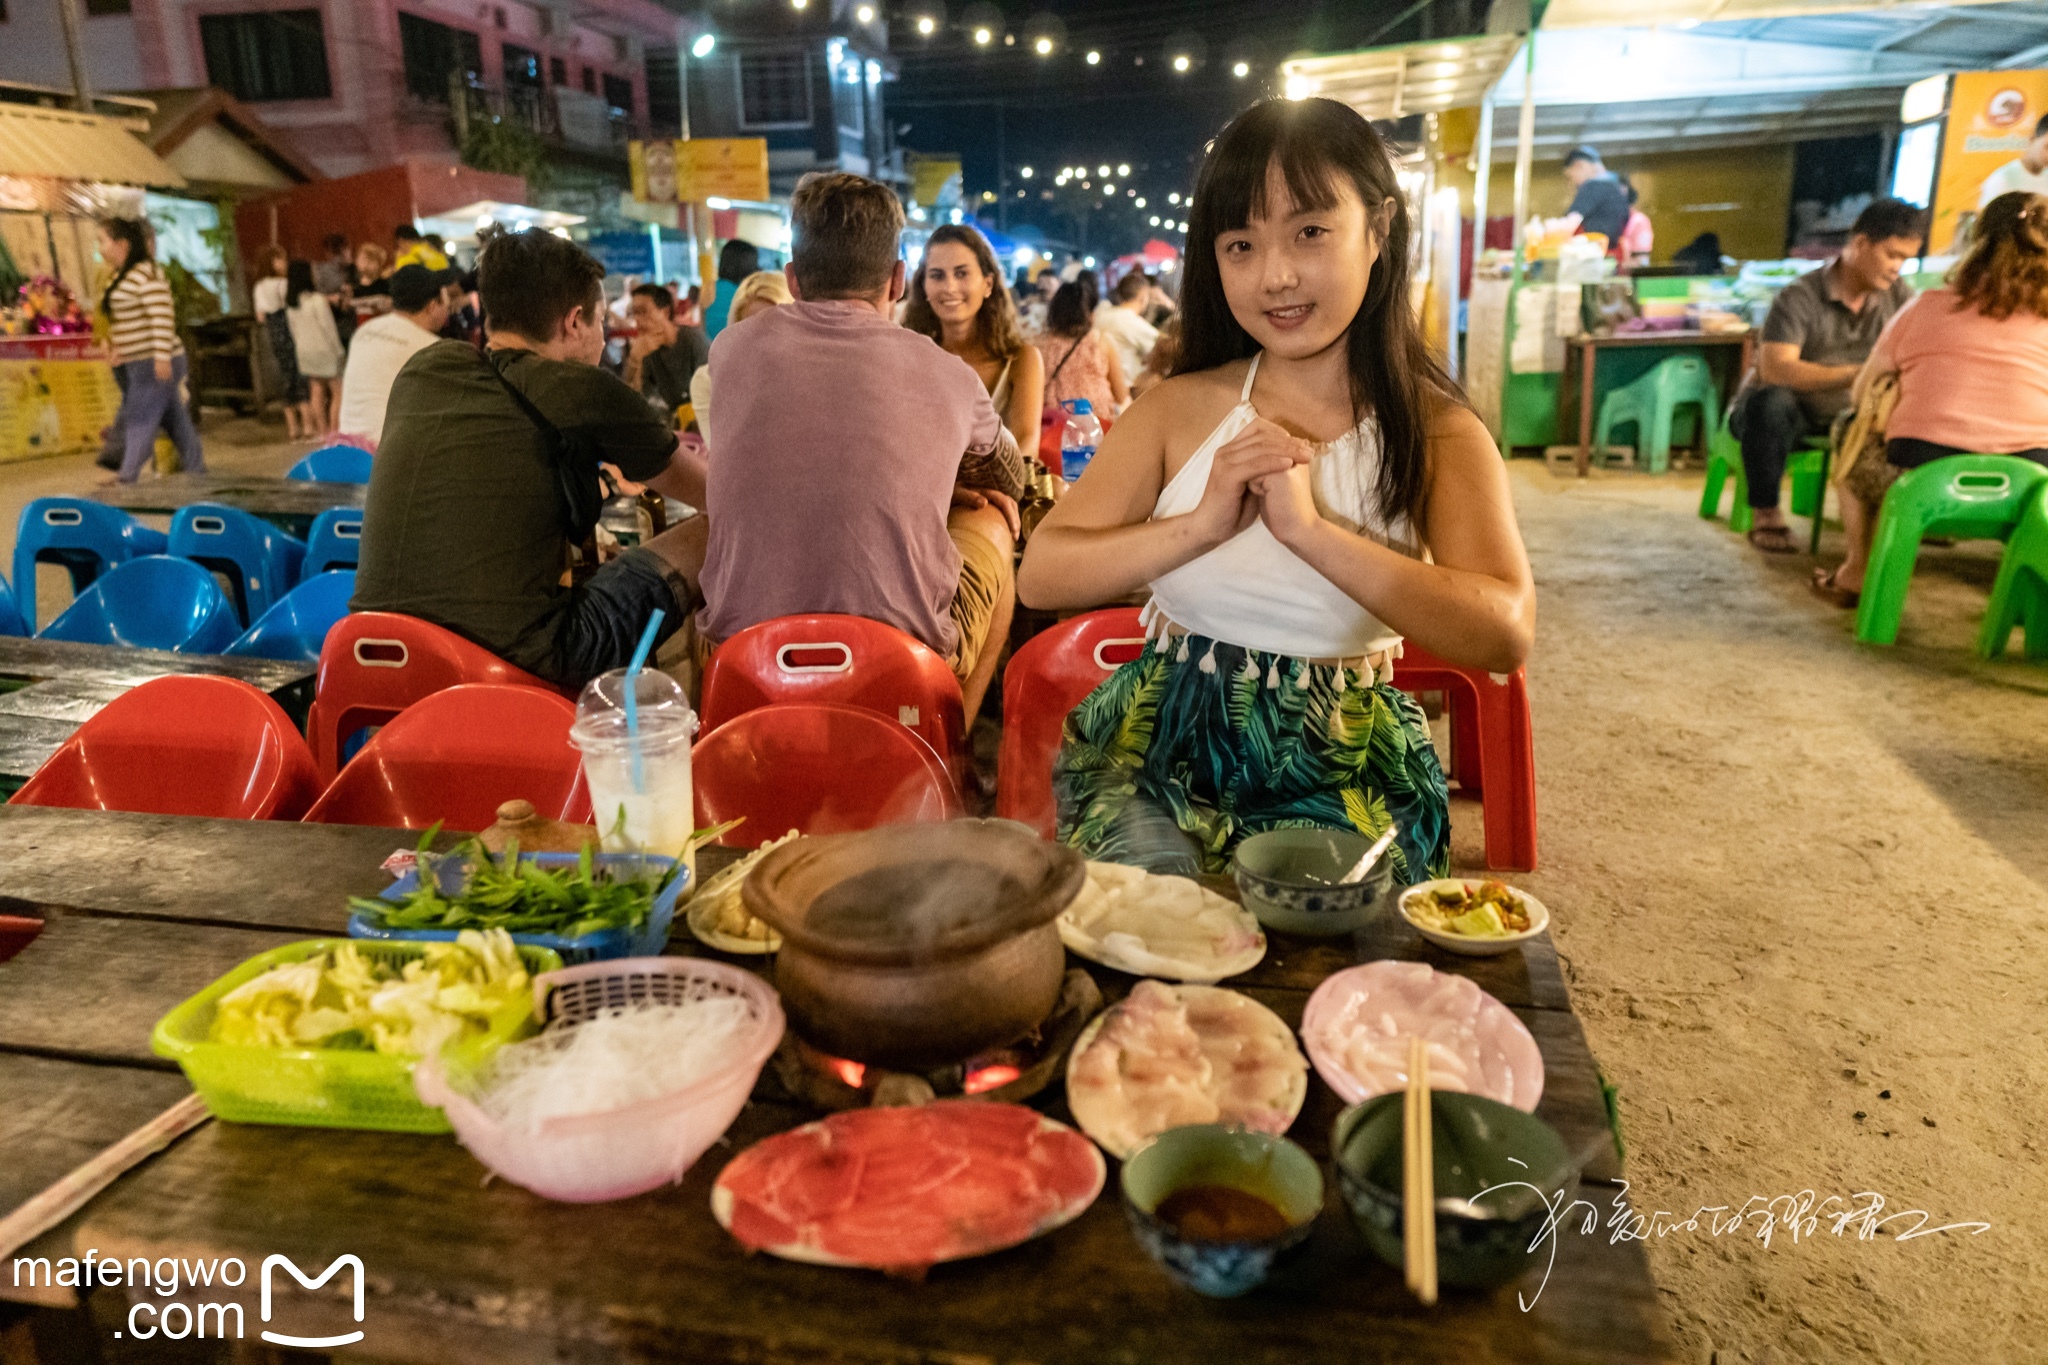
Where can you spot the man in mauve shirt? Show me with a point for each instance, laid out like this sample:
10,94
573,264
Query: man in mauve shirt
859,468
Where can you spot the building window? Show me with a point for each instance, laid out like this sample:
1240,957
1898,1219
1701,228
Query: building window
775,90
279,55
558,70
589,81
664,93
618,93
847,102
435,52
522,65
98,7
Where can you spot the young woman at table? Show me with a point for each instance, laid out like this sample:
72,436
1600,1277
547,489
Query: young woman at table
144,328
1078,360
1304,491
957,299
1971,359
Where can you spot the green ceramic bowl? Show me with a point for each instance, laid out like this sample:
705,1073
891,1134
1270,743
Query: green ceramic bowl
1288,877
1490,1211
1263,1164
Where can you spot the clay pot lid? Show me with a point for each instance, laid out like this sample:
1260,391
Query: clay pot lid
534,832
907,895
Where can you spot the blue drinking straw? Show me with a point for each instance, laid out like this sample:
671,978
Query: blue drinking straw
640,654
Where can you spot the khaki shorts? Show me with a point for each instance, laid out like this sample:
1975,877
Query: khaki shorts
984,577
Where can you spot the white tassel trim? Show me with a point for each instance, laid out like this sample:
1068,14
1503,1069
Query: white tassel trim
1182,656
1301,678
1208,664
1273,673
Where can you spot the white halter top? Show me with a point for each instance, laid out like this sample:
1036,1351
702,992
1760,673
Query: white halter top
1254,592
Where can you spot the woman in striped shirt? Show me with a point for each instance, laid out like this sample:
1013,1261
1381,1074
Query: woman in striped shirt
146,347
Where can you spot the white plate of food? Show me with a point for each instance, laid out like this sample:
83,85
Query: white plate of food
1165,1056
719,918
1475,918
903,1189
1168,927
1357,1025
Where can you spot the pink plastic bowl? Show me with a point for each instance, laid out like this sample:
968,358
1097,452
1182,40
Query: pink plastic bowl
591,1158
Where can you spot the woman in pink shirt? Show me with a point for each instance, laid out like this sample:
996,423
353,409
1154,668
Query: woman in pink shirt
1971,359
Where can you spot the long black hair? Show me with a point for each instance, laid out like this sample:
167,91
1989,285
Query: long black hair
298,281
1318,144
135,233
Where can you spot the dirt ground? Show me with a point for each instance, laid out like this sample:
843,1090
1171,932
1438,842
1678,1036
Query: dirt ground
1794,881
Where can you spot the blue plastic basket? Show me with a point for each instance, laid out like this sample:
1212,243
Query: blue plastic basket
647,941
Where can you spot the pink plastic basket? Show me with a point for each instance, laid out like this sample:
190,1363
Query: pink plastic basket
591,1158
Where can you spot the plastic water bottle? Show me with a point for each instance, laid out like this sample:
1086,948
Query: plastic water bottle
1078,441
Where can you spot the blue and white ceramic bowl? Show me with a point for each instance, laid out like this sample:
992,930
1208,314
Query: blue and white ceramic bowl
1263,1164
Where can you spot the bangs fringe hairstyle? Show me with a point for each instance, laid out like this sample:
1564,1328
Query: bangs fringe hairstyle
996,323
1319,144
2006,268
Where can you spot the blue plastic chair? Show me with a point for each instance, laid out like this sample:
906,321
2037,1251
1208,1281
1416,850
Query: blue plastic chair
155,602
297,626
10,615
333,464
87,538
334,543
261,561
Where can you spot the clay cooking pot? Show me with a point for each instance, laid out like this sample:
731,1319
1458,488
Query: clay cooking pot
916,946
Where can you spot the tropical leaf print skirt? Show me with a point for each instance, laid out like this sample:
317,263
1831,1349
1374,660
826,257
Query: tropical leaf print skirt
1181,754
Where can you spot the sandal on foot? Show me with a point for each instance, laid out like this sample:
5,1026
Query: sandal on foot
1825,588
1773,540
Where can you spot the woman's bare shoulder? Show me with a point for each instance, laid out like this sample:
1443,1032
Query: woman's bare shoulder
1200,398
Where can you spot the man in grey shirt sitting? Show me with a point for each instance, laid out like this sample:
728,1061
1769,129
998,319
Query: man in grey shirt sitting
1816,337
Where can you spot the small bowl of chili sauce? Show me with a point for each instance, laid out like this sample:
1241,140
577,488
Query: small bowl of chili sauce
1219,1206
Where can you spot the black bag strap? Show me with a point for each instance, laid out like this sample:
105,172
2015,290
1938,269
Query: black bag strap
581,489
1065,358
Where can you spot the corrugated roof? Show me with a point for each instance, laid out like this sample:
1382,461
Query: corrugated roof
60,144
1615,13
1410,78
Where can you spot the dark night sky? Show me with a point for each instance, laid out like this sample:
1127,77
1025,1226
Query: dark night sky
1050,112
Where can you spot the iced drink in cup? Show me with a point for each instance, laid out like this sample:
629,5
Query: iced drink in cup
645,806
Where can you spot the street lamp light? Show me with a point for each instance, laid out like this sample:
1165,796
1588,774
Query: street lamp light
1095,59
982,36
1102,171
866,14
1181,63
703,45
925,25
1241,70
1024,172
1043,47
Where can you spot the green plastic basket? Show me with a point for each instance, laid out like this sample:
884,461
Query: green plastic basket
323,1087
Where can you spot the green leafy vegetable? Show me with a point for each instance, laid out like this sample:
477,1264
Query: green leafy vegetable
519,897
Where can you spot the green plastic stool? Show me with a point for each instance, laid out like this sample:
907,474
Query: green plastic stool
2020,597
1808,468
1651,402
1968,497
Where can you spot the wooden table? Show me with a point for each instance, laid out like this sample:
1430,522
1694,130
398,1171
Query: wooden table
288,503
143,910
1588,350
48,688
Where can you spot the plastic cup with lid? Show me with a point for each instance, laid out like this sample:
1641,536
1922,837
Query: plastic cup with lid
640,792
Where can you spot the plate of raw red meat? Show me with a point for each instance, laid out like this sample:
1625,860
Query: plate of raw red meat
907,1188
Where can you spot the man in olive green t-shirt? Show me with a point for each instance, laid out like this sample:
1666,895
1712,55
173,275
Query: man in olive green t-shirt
465,523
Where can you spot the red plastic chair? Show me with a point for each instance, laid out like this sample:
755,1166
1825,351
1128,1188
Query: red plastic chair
1045,679
1493,748
182,746
458,755
16,933
845,661
822,769
374,664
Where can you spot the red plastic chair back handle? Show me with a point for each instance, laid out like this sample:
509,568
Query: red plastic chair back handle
1126,650
829,656
381,653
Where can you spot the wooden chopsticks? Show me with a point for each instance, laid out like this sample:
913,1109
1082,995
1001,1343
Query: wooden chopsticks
1418,1177
76,1189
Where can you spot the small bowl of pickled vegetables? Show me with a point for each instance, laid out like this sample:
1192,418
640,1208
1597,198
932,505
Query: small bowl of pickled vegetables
1474,918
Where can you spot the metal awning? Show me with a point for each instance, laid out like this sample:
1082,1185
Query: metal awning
1411,78
60,144
1642,13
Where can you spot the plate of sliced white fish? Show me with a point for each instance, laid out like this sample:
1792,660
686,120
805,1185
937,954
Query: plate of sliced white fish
1168,927
1165,1056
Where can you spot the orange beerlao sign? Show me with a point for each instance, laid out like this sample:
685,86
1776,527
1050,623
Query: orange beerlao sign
1991,118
